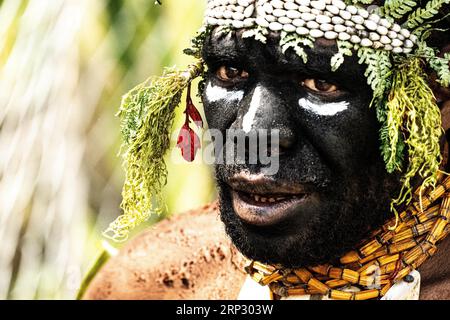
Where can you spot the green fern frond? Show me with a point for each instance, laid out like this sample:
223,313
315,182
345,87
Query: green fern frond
297,43
258,33
344,49
422,14
398,8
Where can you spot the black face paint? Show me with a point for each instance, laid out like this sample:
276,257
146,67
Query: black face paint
330,164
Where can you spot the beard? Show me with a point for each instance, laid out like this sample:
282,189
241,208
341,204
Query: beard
346,211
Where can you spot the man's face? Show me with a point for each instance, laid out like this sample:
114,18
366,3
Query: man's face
331,187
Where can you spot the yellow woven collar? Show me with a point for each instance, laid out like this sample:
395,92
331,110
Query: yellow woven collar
387,257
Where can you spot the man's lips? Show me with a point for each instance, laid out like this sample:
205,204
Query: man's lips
263,201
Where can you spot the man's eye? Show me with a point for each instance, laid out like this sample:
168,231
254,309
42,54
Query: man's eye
319,85
226,73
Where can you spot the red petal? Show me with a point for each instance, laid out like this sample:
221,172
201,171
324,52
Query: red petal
189,142
194,114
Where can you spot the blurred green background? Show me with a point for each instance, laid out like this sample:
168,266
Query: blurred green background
64,65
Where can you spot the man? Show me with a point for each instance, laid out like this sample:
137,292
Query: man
321,225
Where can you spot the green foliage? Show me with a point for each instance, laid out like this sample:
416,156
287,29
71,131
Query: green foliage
419,16
441,65
297,43
398,8
344,49
147,114
258,33
197,42
412,109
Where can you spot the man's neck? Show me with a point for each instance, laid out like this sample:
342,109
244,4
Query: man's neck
435,274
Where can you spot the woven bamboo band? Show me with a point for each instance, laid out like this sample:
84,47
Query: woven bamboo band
385,258
331,19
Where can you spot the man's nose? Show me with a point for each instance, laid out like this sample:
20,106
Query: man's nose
265,108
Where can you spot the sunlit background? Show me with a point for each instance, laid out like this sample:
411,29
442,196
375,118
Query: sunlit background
64,65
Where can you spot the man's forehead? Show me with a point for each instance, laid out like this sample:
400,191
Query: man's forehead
233,47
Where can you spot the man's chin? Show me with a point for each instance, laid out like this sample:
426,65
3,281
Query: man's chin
329,231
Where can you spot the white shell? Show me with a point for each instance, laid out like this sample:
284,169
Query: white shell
385,40
374,36
397,50
371,25
326,27
277,4
363,13
396,42
340,28
366,42
249,22
405,33
302,31
312,25
392,34
248,12
318,4
284,20
304,9
293,14
355,39
385,23
227,14
330,35
275,26
237,24
238,16
344,36
260,21
375,18
303,2
290,6
337,20
332,9
323,19
339,3
298,22
270,18
308,16
243,3
268,7
345,14
408,43
352,9
396,27
289,28
382,30
315,33
279,13
357,19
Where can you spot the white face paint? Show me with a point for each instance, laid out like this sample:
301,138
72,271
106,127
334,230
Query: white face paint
215,93
247,121
325,109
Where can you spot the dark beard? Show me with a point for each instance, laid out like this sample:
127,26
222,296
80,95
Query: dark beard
337,228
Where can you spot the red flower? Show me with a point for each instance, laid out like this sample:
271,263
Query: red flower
189,142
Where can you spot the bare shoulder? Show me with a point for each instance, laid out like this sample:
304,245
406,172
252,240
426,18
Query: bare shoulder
187,256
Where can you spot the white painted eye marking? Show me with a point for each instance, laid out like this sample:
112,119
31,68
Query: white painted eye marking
215,93
325,109
247,121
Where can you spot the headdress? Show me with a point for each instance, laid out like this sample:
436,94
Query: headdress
391,40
